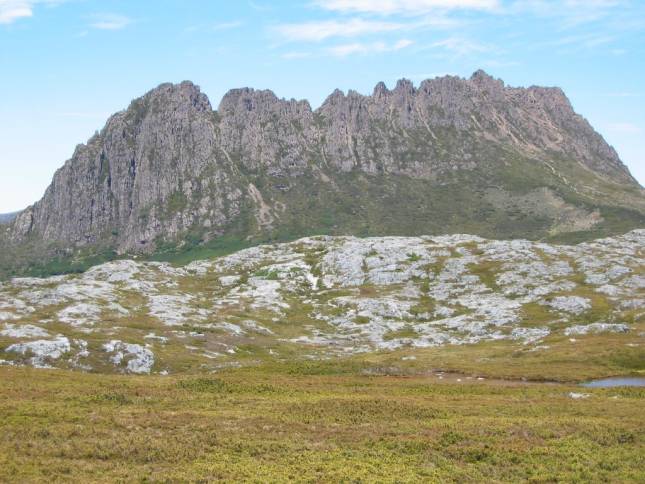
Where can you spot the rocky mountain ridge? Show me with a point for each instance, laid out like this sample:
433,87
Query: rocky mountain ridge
452,155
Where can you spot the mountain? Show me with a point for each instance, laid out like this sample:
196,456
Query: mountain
171,177
325,297
6,218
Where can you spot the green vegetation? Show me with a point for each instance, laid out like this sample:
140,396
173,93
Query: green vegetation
267,274
198,250
280,424
486,271
22,263
405,332
176,203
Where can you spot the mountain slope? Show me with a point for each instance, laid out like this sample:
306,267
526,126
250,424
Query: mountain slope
326,297
453,155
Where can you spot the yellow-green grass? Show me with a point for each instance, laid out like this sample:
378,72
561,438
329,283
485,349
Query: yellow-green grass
557,358
277,424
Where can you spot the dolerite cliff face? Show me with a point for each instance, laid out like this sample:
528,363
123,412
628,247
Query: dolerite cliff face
453,155
125,180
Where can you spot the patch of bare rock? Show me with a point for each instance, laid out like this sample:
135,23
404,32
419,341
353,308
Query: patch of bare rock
321,297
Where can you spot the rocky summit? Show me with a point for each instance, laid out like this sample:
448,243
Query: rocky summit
171,175
327,297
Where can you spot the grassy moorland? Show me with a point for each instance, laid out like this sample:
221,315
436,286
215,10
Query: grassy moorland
313,423
250,395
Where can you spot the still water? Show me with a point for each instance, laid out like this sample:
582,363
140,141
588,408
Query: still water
616,382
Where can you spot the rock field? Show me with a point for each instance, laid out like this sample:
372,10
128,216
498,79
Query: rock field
323,297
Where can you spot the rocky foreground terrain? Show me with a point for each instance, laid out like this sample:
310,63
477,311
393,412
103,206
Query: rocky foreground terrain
325,297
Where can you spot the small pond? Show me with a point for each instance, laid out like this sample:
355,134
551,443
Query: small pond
619,381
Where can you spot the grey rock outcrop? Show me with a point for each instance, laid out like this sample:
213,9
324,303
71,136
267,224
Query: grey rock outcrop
327,297
147,160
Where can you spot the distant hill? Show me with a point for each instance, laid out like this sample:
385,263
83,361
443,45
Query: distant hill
171,177
6,218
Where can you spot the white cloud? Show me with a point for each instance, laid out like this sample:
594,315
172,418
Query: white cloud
402,44
584,40
579,42
110,21
570,13
355,48
319,31
12,10
367,48
413,7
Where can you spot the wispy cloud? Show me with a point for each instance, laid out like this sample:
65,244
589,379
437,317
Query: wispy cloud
321,30
409,7
569,13
318,31
13,10
578,42
367,48
110,21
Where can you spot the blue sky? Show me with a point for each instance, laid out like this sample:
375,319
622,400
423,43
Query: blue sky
66,65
